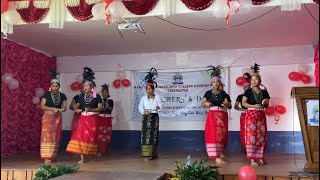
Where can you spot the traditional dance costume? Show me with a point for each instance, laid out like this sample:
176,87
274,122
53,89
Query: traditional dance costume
105,126
76,116
242,125
216,128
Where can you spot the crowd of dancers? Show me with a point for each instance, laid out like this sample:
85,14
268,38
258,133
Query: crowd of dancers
92,122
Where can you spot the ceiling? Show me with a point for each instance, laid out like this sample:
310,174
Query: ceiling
274,29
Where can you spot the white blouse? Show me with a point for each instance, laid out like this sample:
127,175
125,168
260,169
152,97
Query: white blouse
150,104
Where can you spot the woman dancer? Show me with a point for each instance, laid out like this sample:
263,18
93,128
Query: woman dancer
84,140
149,106
76,116
216,129
255,100
238,102
53,104
105,123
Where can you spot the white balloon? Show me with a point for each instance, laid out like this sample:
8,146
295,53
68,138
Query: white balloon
121,74
98,11
234,5
116,9
220,8
7,78
80,78
14,84
39,92
36,100
12,17
303,68
245,6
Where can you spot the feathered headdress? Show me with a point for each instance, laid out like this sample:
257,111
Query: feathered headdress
105,87
151,76
54,74
88,77
215,73
255,70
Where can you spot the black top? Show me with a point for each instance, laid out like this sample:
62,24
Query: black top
105,106
58,104
218,99
259,97
92,104
239,99
76,98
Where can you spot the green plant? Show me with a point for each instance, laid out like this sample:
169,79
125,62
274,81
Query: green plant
46,172
196,170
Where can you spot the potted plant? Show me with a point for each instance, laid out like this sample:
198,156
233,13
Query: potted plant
46,172
195,171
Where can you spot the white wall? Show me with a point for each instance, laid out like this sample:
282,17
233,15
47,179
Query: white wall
277,64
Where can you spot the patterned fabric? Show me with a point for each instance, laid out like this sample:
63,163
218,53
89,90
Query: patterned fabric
74,123
242,132
256,134
216,132
104,126
50,135
150,135
84,139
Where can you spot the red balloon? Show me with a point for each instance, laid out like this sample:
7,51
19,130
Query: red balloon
240,81
294,76
305,79
247,173
4,6
125,83
75,86
280,109
108,1
117,83
269,110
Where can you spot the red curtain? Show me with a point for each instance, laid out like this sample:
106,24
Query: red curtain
81,12
316,1
32,15
20,118
197,5
316,63
258,2
140,7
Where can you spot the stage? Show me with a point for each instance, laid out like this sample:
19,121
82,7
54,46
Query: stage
129,166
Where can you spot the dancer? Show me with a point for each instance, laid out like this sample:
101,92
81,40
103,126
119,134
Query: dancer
104,125
84,139
76,116
53,104
216,129
243,110
149,106
255,100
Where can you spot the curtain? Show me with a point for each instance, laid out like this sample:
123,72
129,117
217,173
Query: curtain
140,7
34,12
20,118
197,5
258,2
316,63
81,12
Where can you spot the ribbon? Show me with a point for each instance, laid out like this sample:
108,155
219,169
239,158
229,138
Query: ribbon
108,16
228,16
276,118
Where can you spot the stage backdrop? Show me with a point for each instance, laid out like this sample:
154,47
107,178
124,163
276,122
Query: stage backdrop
181,93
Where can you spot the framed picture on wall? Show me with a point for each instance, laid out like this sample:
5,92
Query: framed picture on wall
313,112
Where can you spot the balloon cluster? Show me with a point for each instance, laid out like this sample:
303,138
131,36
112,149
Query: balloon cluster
275,111
121,79
39,93
75,86
301,74
113,9
10,81
11,17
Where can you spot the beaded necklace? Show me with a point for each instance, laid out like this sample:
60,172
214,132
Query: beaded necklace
257,97
55,98
88,98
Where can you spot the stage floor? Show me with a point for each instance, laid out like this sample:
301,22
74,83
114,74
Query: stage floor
136,168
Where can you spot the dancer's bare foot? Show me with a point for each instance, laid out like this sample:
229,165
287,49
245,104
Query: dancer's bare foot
47,161
81,160
222,156
220,161
253,163
99,154
263,162
146,159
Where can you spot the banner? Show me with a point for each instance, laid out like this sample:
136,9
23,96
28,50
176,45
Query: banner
181,94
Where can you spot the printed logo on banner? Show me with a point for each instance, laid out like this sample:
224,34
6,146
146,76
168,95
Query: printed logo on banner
181,94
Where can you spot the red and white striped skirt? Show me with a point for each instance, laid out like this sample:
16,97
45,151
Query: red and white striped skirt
256,133
216,132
